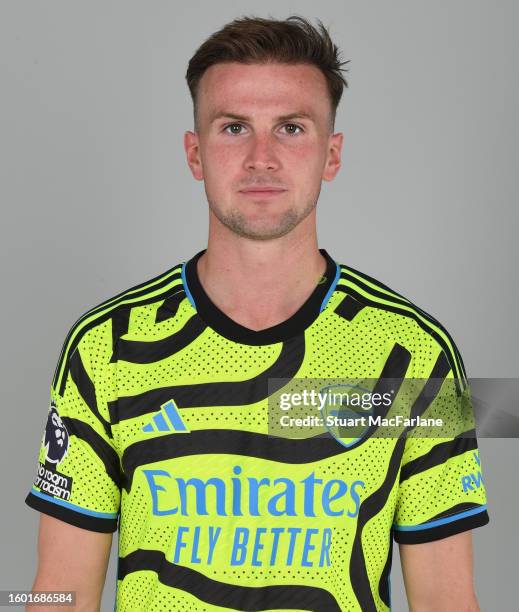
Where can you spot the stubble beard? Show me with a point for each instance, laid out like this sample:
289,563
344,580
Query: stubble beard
238,223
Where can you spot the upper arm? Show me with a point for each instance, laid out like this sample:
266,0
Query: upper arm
72,559
441,497
438,574
78,477
77,485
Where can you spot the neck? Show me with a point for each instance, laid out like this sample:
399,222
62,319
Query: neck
257,283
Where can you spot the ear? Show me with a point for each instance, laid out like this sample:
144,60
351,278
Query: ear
192,149
333,157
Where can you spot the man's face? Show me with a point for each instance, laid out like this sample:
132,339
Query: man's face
263,145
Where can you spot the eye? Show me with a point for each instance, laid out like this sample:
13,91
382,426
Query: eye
293,127
233,131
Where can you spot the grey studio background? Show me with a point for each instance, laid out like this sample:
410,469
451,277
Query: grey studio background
96,197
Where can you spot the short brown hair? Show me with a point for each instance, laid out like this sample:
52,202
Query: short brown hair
256,40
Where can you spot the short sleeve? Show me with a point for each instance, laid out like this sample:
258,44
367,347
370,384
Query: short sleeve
441,488
78,473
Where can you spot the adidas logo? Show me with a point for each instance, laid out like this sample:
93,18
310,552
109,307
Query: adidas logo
167,419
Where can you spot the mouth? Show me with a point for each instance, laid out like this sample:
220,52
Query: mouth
266,192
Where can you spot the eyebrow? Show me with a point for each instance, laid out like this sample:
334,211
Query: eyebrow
281,118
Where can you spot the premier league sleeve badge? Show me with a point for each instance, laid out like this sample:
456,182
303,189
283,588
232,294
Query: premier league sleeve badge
56,437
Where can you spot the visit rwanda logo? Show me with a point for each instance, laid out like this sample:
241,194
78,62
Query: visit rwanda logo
167,419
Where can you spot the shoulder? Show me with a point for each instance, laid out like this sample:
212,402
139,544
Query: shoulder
407,322
150,302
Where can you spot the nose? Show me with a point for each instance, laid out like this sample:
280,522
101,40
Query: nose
261,154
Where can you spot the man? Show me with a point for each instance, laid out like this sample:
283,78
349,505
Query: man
163,396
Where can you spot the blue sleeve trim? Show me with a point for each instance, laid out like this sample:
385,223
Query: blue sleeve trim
332,287
66,504
186,288
447,519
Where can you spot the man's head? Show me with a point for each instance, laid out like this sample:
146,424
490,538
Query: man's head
265,94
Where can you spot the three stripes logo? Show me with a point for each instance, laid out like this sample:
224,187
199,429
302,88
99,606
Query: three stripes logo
167,419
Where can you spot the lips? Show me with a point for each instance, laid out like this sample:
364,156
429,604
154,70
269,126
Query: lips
263,191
